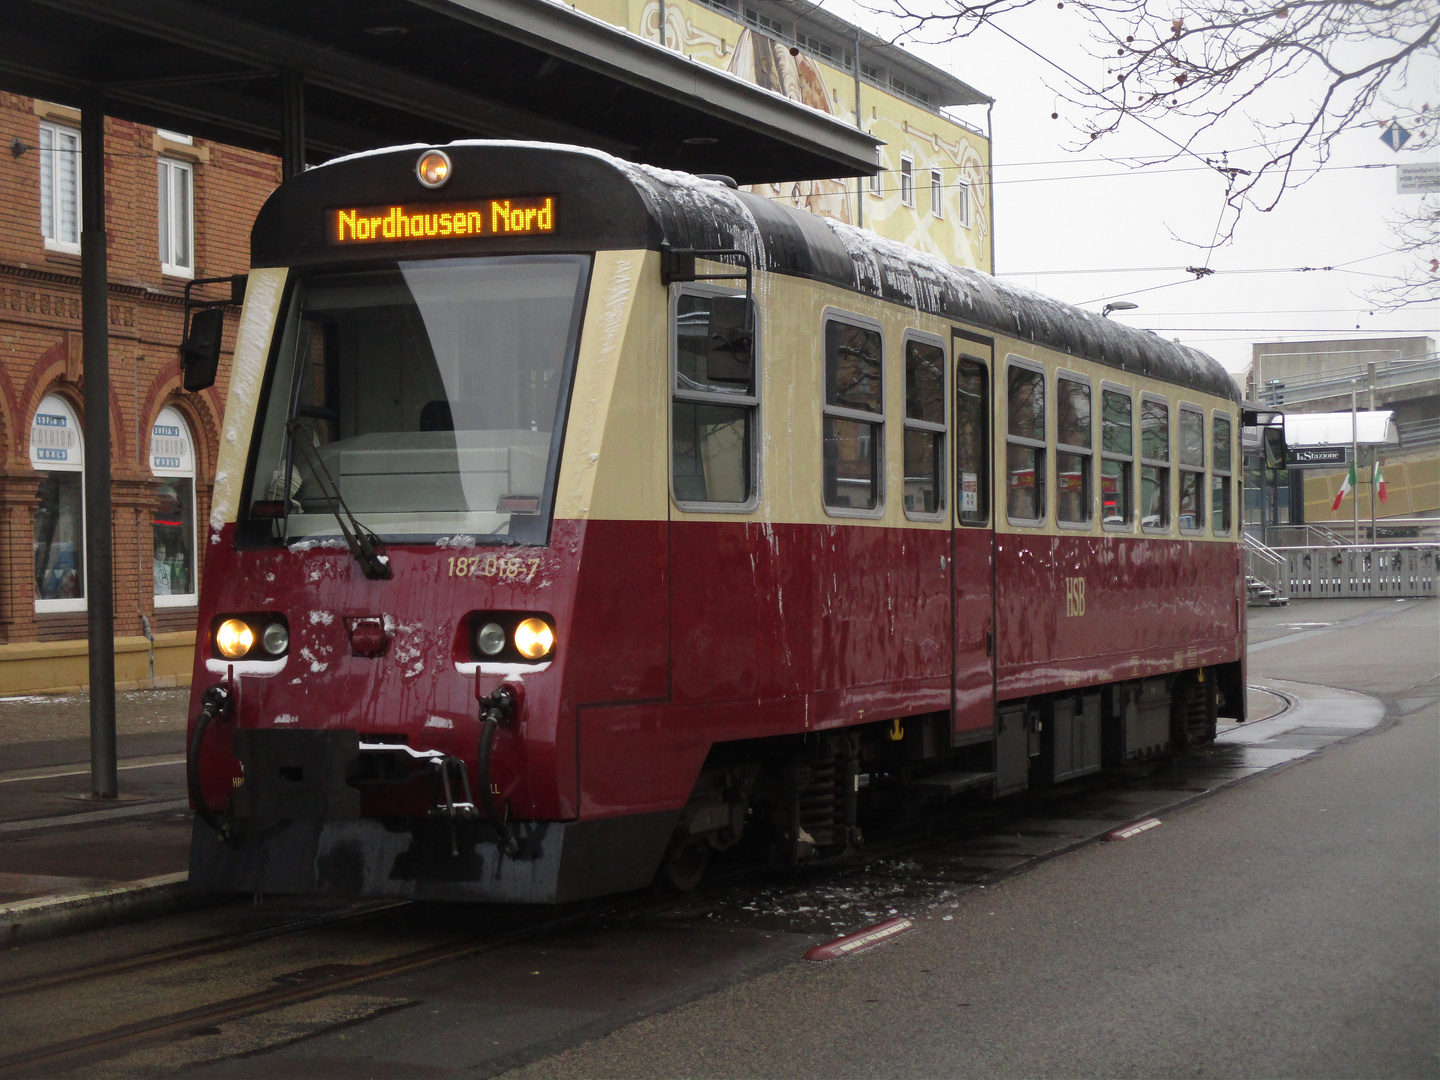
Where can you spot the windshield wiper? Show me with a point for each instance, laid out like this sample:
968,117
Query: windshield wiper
369,552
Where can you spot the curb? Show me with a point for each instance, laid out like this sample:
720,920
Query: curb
52,916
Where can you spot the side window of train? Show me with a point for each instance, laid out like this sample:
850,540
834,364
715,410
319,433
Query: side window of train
1192,469
972,441
713,460
1154,464
1117,463
1024,443
1074,451
1220,469
924,428
854,417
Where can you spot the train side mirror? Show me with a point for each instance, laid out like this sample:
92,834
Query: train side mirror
730,349
200,354
1276,452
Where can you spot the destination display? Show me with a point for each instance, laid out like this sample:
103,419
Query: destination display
529,216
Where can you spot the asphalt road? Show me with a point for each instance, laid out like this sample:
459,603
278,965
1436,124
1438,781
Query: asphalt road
1285,927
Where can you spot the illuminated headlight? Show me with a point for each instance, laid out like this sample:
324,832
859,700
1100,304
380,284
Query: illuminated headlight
534,638
275,639
491,639
234,639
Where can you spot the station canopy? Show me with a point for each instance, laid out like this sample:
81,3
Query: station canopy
1375,428
380,72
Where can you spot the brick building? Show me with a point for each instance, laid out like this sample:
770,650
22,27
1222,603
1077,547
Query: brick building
176,208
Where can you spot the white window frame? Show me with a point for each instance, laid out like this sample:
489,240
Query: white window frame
1132,459
877,181
1167,465
79,603
1087,452
962,197
1202,494
1042,474
839,412
190,599
50,159
169,215
937,193
700,397
942,429
907,181
1223,475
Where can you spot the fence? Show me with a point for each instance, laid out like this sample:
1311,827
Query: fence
1382,570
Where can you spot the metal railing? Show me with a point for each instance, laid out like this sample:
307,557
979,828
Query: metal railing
1338,382
1418,433
1280,536
1379,570
1266,573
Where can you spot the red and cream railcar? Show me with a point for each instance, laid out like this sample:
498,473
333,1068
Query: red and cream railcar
574,518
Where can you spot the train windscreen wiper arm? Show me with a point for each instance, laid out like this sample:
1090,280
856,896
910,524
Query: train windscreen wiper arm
369,552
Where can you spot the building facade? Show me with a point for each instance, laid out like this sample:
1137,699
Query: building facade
933,191
176,209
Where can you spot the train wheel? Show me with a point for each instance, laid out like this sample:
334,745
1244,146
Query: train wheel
685,863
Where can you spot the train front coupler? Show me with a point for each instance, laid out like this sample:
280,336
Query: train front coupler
214,702
496,708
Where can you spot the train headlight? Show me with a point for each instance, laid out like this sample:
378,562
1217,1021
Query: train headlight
491,638
234,639
275,639
534,638
433,168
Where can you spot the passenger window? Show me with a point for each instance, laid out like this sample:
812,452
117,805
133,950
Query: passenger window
972,441
924,428
1025,445
1073,452
1192,470
1117,462
854,416
1220,468
714,402
1154,465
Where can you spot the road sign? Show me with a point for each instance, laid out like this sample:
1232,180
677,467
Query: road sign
1394,136
1417,179
1316,457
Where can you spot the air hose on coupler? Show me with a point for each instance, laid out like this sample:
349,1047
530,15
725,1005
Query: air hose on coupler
494,710
213,703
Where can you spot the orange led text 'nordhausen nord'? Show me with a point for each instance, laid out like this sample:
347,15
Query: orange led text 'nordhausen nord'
492,217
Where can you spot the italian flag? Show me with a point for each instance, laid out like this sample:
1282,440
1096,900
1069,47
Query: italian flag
1379,482
1345,488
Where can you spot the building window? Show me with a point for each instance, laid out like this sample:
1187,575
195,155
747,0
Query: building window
924,429
1154,465
962,200
907,181
1073,452
972,441
1117,460
854,417
877,181
1025,445
1220,467
172,460
1192,470
177,248
60,187
937,193
57,453
714,402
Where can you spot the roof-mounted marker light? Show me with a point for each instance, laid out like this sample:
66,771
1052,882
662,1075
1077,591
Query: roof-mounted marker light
433,168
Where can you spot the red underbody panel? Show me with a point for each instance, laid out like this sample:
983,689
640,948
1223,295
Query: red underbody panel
673,636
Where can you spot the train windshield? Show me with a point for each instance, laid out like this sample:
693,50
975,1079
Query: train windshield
432,397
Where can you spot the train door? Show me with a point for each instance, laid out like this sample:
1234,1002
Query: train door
973,540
